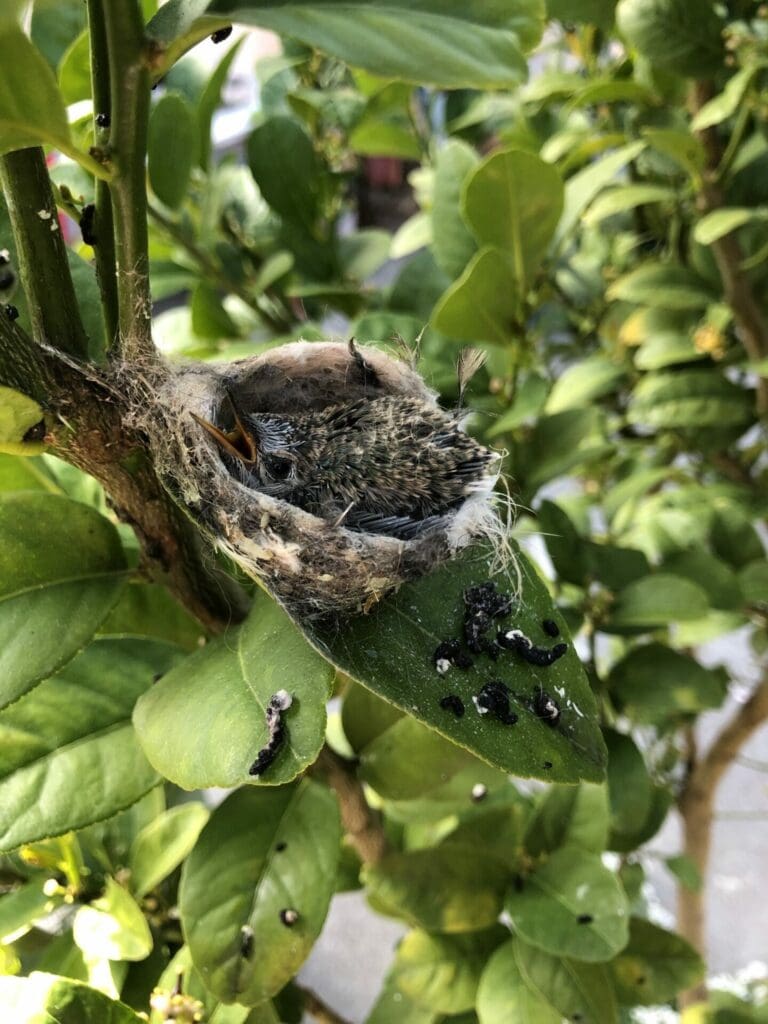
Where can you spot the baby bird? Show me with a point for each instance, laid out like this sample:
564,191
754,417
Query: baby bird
391,464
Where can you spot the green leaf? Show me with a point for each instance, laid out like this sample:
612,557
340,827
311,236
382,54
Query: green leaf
689,399
484,303
504,997
392,1007
733,536
287,169
753,580
657,600
723,221
442,972
408,760
594,12
643,830
429,41
68,754
558,443
75,70
209,317
582,188
89,303
49,999
20,908
571,906
112,926
452,242
627,197
581,383
391,650
444,889
668,285
674,35
210,99
18,415
715,578
513,202
629,787
241,876
569,816
655,966
172,147
148,610
31,107
61,570
578,991
726,103
163,844
220,694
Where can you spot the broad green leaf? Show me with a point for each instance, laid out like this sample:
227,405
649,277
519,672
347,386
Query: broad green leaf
210,99
722,222
527,403
558,443
445,889
582,188
18,473
715,578
20,908
668,285
68,753
163,844
392,1007
19,414
674,35
657,600
442,972
655,966
689,399
263,851
221,692
55,25
643,830
112,926
209,317
429,41
683,147
455,798
753,580
391,651
653,683
49,999
148,610
569,816
504,997
629,787
513,202
578,991
726,103
594,12
452,242
365,716
733,536
571,906
583,382
495,824
172,148
627,197
61,570
408,760
75,70
287,170
484,303
31,108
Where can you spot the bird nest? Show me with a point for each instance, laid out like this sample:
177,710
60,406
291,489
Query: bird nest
315,564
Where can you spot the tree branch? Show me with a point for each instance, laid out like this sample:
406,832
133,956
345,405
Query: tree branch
41,252
316,1008
129,82
696,804
727,251
361,823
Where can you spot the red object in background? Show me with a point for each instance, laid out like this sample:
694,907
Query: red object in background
384,171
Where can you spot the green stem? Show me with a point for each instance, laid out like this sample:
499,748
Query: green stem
41,252
104,247
129,81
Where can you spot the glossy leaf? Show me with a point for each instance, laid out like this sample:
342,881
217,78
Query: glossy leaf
20,908
569,815
47,998
392,1007
241,876
662,284
18,415
627,197
726,103
408,760
583,382
655,966
72,728
442,972
674,35
578,991
452,241
513,202
689,399
722,222
391,651
446,889
484,303
172,147
31,108
629,787
221,692
148,610
582,188
163,844
287,170
657,600
75,70
61,570
431,41
571,906
112,926
505,998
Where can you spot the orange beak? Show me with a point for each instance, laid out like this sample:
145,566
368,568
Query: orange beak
238,442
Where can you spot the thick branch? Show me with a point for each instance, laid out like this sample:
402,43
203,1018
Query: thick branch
727,251
129,80
316,1008
696,804
41,252
360,822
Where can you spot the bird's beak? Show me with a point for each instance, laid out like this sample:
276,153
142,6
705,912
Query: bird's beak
238,442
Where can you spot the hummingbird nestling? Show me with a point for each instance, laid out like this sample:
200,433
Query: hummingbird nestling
391,465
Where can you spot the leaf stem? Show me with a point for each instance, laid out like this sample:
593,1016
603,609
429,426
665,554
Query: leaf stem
41,252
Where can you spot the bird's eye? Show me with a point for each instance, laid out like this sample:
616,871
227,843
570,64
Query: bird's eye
277,468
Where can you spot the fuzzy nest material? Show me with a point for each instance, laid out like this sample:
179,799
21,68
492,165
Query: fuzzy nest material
314,565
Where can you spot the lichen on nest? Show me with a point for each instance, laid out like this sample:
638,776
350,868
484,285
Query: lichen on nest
326,471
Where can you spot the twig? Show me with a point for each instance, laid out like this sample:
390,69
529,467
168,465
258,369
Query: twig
727,251
361,823
41,252
316,1008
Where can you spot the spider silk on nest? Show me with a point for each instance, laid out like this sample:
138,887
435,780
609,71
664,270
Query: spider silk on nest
326,471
